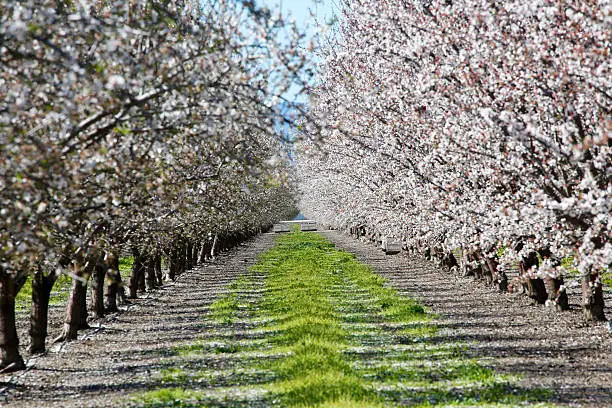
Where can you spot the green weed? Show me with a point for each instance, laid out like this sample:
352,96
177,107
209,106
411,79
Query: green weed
125,266
168,397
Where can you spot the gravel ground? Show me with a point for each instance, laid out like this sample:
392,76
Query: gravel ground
559,351
124,352
122,355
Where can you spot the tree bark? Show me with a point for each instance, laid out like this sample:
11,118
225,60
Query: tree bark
449,261
172,262
592,297
214,247
468,270
97,286
499,277
113,281
82,304
188,255
137,268
535,286
42,284
427,253
142,285
76,310
482,269
121,296
203,249
194,256
556,295
182,257
149,266
10,359
536,290
158,269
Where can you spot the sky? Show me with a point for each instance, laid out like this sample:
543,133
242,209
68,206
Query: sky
300,9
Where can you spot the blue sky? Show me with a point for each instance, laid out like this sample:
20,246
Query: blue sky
300,9
308,15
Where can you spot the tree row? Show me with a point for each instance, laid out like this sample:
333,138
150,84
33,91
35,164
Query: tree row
476,132
145,126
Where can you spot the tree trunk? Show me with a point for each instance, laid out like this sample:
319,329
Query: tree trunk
449,261
10,359
213,249
427,253
482,270
82,304
158,269
188,256
468,270
194,256
42,284
220,244
592,297
76,310
172,262
113,281
556,295
149,265
121,296
499,277
142,285
536,289
134,283
203,249
97,286
182,257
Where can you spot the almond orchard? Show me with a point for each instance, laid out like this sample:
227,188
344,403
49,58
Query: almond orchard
152,153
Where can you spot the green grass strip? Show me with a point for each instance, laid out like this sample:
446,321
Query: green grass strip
302,270
225,308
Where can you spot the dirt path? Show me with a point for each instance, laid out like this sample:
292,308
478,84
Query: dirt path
554,350
119,357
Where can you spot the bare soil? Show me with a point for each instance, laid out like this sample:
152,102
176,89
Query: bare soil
550,349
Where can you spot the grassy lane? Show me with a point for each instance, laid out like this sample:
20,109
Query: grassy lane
311,326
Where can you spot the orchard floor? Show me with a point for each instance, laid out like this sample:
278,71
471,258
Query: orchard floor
124,354
120,356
